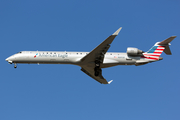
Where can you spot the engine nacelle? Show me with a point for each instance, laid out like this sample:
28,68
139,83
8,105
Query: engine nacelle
134,51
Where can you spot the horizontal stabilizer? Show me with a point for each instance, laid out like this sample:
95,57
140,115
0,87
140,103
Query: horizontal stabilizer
167,41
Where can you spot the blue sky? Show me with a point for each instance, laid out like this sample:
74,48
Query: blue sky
63,92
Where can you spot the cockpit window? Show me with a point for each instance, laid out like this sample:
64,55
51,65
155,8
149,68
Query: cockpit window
19,52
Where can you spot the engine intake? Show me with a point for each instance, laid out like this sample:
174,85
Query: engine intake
134,51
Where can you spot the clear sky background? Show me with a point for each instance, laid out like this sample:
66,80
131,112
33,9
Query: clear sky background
63,92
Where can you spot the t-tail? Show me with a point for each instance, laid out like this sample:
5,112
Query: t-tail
155,52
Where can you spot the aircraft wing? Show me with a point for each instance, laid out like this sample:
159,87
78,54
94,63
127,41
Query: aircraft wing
99,52
90,71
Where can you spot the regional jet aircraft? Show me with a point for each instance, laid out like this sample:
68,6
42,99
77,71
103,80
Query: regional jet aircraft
92,62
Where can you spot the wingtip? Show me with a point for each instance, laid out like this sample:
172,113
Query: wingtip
110,82
174,36
117,31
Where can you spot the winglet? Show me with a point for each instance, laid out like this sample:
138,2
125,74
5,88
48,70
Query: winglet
110,82
117,32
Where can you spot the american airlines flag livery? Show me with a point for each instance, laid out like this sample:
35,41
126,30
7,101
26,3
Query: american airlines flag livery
92,62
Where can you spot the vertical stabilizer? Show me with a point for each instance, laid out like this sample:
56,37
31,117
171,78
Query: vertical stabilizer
155,52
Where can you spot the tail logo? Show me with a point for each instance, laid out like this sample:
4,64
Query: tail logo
154,53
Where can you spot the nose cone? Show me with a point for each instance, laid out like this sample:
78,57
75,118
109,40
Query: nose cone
7,59
10,59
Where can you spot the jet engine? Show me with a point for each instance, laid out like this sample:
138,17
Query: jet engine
134,51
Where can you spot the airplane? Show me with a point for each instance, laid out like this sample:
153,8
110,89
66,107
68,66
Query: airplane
91,63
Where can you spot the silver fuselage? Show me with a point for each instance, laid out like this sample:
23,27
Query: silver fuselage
58,57
91,63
